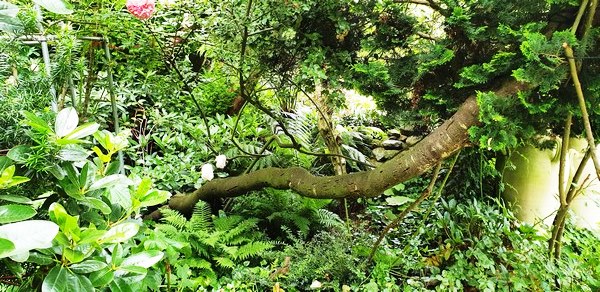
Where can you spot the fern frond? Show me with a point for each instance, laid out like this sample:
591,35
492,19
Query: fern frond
226,223
198,263
225,262
253,249
242,227
328,218
201,217
174,218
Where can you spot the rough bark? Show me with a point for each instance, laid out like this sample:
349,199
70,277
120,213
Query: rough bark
451,136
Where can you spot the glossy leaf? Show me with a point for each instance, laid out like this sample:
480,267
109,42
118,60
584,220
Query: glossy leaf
67,119
102,277
83,131
61,279
120,233
74,153
28,235
88,266
154,197
109,181
19,153
14,213
16,199
97,204
55,6
144,259
398,200
6,246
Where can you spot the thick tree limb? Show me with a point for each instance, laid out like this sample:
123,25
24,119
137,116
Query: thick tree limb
451,136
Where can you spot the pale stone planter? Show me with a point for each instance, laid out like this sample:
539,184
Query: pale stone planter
530,178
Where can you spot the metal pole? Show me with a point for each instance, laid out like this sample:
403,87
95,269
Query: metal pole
113,100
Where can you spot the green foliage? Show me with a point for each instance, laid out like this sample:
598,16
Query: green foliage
474,245
545,64
285,210
96,248
207,247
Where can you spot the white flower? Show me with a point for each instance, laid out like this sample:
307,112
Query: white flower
207,172
221,161
315,285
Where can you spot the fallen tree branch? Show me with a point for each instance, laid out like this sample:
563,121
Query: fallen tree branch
451,136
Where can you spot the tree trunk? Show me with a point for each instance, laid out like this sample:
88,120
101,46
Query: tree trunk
451,136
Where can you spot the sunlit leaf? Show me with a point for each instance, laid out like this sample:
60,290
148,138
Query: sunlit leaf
55,6
28,235
66,120
120,233
14,213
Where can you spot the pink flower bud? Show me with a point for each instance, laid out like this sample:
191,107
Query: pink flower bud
141,9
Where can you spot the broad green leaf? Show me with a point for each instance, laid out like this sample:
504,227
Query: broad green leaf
28,235
154,197
131,269
40,259
83,131
120,285
19,153
88,266
103,157
97,204
86,176
16,199
143,187
144,259
61,279
102,277
110,181
68,224
4,163
55,6
120,233
58,172
90,235
36,122
74,153
14,213
104,137
398,200
7,173
120,195
67,119
15,180
73,255
6,246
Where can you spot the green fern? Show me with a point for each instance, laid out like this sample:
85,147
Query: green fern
217,242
